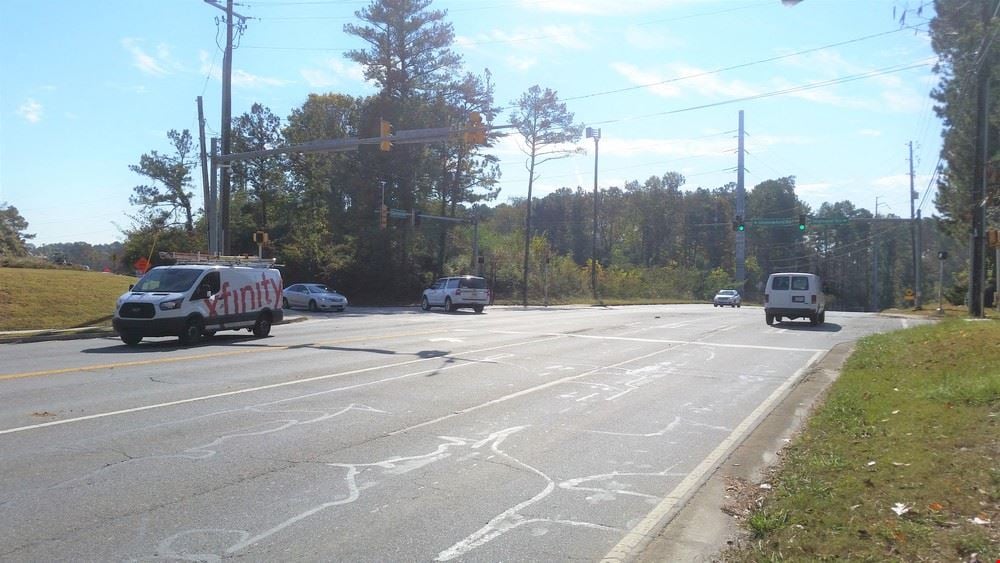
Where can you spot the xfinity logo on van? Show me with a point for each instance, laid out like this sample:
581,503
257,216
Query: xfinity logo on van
247,298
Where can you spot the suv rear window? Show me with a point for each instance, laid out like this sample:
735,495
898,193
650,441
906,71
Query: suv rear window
473,283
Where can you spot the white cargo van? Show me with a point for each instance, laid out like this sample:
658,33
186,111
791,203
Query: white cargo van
192,300
794,295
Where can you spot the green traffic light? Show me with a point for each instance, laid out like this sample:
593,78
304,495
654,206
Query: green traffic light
802,227
741,228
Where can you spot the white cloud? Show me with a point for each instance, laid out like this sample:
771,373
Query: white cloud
650,39
521,63
247,80
601,7
677,78
31,111
240,78
334,72
870,133
161,64
642,77
667,147
521,49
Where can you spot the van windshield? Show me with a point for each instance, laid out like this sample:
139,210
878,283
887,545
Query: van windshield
166,280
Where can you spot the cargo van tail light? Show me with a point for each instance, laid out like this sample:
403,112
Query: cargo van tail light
814,299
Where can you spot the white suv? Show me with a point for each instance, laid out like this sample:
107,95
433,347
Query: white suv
794,295
455,293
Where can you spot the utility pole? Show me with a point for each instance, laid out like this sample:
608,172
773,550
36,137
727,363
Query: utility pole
977,272
874,239
227,119
212,207
204,164
741,194
913,237
596,134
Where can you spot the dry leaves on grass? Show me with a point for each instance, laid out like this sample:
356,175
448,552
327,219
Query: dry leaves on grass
743,498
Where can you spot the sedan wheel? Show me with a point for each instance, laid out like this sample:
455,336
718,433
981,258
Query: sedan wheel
284,303
313,306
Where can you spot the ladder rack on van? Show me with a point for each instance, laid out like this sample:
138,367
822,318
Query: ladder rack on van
205,258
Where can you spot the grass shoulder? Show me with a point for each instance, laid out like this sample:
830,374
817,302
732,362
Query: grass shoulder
901,460
44,299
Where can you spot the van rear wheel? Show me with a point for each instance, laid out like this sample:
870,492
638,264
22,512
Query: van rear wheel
263,326
769,318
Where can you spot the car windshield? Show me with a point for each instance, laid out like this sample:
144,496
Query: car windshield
319,289
727,292
166,280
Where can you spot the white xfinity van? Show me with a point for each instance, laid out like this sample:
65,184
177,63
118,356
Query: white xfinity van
195,300
794,295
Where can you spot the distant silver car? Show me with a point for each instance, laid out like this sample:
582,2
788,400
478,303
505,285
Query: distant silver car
727,297
312,296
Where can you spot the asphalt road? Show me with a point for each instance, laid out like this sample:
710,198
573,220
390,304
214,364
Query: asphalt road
389,434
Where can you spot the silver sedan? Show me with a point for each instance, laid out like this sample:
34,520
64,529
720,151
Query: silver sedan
312,296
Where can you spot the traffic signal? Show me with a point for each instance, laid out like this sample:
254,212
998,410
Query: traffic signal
738,224
477,136
384,131
260,237
383,216
802,222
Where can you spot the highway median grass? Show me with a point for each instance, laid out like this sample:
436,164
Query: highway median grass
901,462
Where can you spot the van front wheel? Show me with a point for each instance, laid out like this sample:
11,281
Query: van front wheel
769,318
131,339
192,332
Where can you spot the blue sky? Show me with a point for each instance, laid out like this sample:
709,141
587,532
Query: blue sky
87,87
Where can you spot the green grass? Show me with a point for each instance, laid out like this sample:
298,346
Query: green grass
32,299
913,419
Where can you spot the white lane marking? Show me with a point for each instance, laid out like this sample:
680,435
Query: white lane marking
660,341
267,387
641,533
523,392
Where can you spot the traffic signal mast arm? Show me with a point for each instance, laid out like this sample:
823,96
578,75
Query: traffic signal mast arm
342,145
